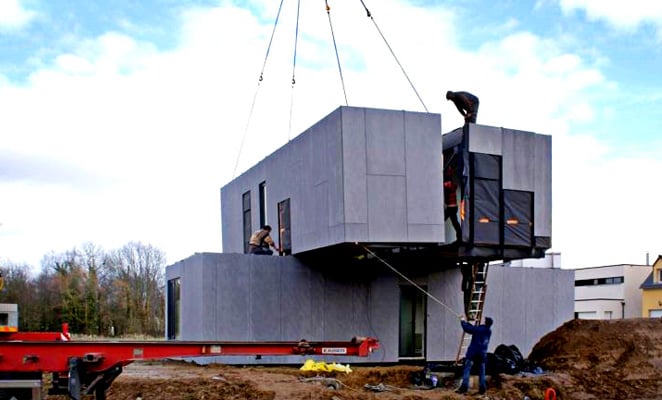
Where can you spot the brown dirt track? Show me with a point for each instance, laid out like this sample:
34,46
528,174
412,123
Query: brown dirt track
619,359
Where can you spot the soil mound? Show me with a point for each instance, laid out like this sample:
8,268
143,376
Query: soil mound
617,359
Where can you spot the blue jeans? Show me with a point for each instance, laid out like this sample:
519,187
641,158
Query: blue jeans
468,363
261,250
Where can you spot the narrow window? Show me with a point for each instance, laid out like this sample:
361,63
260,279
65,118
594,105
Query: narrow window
174,308
659,275
284,229
246,208
263,203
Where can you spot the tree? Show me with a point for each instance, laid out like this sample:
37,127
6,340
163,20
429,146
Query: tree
19,288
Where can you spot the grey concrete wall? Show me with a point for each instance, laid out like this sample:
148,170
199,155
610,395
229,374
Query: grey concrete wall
359,174
527,303
258,298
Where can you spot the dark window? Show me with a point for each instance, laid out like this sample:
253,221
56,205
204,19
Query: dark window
518,214
174,308
248,228
4,319
284,228
485,213
659,275
263,203
600,281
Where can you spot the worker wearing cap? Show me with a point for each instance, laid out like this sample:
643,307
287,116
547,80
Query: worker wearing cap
260,242
466,103
476,353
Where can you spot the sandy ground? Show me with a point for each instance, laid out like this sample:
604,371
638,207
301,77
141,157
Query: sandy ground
583,360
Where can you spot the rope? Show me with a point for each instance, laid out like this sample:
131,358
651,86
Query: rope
335,47
250,113
394,56
459,316
294,66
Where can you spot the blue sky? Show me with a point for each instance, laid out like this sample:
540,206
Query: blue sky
122,119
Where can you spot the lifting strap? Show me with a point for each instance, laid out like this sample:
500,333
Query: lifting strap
294,66
393,54
335,47
403,276
250,113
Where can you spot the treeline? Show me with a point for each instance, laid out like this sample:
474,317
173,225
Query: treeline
96,292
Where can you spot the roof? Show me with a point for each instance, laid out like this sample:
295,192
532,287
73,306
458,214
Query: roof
649,284
613,265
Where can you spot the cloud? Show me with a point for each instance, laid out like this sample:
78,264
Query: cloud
45,169
622,15
13,15
161,129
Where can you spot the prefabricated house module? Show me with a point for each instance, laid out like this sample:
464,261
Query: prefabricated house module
375,211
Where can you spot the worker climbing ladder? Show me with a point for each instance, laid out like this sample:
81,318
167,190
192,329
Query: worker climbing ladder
476,304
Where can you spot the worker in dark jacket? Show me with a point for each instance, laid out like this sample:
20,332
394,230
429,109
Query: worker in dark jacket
466,103
476,353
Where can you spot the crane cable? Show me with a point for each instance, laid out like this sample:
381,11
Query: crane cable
459,316
294,66
250,113
335,47
394,56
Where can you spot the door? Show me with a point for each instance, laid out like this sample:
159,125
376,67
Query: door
284,227
412,322
174,308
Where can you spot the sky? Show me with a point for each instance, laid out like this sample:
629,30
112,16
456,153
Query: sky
121,120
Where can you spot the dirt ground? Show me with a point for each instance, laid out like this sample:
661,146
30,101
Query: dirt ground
583,360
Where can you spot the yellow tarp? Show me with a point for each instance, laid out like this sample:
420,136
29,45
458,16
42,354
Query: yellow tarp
321,366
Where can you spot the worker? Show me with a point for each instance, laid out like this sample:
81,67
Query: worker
476,353
450,201
260,242
466,103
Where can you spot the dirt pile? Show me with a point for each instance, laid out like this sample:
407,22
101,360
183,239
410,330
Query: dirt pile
618,359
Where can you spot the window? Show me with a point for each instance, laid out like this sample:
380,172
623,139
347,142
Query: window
659,275
284,229
174,308
485,212
608,314
599,281
263,203
518,212
246,208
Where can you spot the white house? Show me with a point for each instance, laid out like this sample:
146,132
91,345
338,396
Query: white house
609,292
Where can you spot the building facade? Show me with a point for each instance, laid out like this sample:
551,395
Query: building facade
359,201
609,292
652,292
260,298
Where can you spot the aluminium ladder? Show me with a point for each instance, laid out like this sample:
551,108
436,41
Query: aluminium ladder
476,304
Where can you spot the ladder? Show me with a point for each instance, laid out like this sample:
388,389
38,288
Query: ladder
476,304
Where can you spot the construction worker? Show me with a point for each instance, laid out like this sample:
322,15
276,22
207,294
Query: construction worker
450,201
476,353
260,242
466,103
468,278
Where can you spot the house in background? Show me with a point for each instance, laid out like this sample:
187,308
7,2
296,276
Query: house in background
652,292
609,292
357,204
551,260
